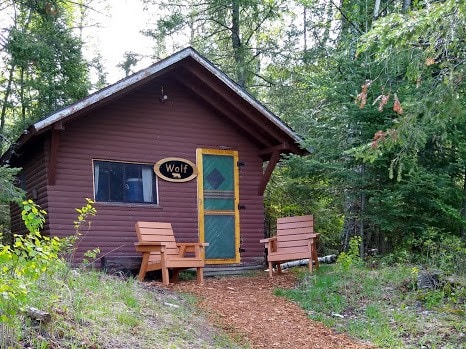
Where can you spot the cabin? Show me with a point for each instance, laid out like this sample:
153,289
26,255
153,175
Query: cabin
177,142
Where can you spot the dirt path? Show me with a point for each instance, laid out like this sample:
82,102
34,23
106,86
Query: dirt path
246,306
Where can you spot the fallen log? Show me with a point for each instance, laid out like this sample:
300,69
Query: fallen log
38,315
326,260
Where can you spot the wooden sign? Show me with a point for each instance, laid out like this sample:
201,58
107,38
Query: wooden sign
175,170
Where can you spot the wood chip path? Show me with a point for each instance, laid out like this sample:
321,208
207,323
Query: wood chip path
246,306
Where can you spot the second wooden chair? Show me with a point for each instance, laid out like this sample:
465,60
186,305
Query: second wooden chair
295,240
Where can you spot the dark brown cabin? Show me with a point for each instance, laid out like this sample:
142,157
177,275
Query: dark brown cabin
208,138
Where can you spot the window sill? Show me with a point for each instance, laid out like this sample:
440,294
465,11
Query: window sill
127,204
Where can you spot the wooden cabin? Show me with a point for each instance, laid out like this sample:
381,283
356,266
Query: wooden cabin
177,142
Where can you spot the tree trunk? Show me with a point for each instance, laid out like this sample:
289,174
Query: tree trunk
305,28
350,225
236,43
463,207
4,104
406,6
361,214
22,98
376,9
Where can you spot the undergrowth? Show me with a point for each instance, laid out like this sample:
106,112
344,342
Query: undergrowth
87,308
91,309
384,306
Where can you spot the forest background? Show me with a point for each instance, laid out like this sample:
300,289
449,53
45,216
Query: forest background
376,88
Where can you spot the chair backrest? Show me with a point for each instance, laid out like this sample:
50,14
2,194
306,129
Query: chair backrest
293,233
157,232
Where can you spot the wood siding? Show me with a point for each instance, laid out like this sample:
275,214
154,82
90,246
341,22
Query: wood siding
34,178
138,128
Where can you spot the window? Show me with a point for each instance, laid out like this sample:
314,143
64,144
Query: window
124,182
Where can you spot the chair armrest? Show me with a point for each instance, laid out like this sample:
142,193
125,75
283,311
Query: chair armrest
149,246
191,247
179,244
268,239
270,243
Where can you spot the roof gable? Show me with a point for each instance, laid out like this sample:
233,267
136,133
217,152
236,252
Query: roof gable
199,75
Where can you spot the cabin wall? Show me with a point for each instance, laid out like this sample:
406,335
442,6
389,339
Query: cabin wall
138,128
33,179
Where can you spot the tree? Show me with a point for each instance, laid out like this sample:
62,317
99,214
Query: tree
42,70
9,192
361,150
43,67
425,49
234,34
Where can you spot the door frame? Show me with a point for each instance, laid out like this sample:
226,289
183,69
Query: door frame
200,200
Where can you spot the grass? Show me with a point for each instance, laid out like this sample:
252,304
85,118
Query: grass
383,306
91,309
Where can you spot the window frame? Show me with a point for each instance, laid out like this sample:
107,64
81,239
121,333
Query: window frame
155,189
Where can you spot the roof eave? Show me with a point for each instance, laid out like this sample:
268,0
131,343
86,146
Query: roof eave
111,90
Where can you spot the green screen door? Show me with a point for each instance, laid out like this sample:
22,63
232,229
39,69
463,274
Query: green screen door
218,204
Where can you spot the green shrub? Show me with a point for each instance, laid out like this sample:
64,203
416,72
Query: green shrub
30,256
352,258
24,262
81,227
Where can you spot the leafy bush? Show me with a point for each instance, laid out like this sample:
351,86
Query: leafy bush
25,261
81,226
443,251
8,193
435,249
352,258
30,256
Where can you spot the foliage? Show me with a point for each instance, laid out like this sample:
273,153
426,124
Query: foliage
384,126
422,52
235,34
417,60
90,309
9,192
25,261
81,226
352,258
42,68
383,306
32,255
434,250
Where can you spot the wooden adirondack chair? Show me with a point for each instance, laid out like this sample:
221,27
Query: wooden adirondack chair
160,251
295,240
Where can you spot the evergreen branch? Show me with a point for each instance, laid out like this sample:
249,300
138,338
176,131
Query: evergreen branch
259,25
346,17
384,9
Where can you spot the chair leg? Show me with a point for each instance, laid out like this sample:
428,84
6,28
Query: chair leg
314,256
144,264
165,276
200,276
311,258
279,268
270,269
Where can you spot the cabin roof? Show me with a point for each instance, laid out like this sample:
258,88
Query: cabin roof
194,71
